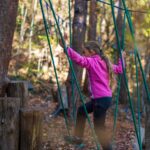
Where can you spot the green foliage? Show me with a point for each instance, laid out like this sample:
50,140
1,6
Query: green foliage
42,37
146,25
39,39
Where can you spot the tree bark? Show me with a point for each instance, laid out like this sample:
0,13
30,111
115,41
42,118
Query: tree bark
8,13
9,123
79,29
91,34
123,91
93,21
119,21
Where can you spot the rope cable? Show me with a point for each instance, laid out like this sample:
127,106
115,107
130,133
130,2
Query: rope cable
134,11
71,66
125,77
50,48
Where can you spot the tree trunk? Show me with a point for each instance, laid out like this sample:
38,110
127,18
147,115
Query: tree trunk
91,34
8,13
123,92
93,20
119,20
79,29
9,123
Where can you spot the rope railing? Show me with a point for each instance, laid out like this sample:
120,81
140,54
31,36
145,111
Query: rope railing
134,11
119,43
72,69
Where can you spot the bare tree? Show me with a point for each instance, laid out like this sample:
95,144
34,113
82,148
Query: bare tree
79,30
92,20
91,33
123,92
8,13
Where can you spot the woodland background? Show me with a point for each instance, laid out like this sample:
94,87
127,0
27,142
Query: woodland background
29,58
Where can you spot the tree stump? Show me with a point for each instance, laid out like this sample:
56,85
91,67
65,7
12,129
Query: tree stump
31,128
9,123
18,89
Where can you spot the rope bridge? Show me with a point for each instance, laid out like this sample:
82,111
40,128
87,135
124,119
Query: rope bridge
120,47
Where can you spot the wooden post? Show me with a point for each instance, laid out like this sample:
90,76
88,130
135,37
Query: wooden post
9,123
31,128
18,89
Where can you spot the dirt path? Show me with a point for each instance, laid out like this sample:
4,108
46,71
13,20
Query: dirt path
54,130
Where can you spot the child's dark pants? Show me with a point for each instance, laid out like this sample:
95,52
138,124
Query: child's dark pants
99,107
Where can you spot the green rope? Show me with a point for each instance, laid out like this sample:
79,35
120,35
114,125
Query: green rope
136,49
135,45
73,114
119,83
138,96
49,43
126,82
77,85
139,60
136,11
57,38
116,109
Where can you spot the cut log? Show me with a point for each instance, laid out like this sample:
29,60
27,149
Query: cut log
9,123
31,128
18,89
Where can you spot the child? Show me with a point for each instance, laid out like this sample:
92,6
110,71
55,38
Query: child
99,69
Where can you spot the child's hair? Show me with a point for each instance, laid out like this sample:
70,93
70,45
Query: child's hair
93,45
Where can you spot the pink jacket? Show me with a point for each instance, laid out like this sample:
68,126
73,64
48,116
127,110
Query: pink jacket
97,72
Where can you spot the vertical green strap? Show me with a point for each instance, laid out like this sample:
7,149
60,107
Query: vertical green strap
73,112
125,77
116,109
139,60
138,95
49,43
119,82
136,49
77,85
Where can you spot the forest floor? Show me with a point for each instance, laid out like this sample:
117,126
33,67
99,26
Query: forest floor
54,129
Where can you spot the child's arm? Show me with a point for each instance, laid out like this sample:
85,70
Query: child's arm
78,59
118,68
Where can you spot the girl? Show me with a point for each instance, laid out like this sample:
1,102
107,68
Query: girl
99,69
